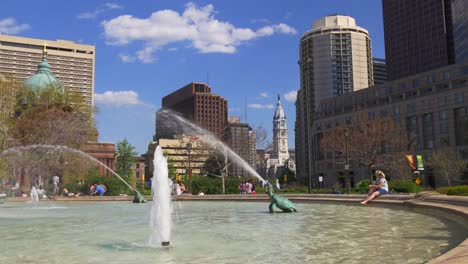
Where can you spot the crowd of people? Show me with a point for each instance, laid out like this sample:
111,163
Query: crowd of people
247,187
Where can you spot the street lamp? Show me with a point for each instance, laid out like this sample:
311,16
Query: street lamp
348,187
189,148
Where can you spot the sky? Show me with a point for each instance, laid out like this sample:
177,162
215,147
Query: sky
247,51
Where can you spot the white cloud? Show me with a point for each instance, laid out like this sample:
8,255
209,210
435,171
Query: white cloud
291,96
9,26
117,98
260,106
97,11
196,25
127,58
264,95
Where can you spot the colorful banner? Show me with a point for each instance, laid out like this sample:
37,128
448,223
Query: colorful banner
410,159
420,162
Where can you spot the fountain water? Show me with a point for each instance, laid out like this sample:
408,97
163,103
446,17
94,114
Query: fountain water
175,122
60,149
160,219
34,195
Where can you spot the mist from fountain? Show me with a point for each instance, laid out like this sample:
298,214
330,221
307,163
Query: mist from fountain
161,211
176,123
34,195
49,149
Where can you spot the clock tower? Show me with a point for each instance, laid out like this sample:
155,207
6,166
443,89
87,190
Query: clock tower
280,135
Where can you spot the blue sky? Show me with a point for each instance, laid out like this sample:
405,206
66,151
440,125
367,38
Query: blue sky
145,49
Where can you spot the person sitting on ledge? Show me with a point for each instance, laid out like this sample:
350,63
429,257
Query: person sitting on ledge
380,187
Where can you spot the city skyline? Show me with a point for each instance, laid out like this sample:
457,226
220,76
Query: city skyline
248,59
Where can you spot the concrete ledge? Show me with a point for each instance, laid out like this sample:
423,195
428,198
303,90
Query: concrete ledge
457,205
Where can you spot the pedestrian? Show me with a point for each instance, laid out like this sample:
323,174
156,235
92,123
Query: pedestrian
242,187
253,189
380,187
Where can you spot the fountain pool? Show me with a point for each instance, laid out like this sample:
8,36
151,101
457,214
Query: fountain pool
222,232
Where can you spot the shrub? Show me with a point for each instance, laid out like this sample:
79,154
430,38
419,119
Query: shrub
404,186
362,186
454,190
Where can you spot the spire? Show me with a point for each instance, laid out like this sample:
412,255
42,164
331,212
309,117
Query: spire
43,66
278,98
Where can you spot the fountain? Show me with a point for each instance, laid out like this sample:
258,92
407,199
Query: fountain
138,198
160,218
34,195
175,122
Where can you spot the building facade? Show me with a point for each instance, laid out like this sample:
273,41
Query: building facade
422,35
72,63
380,71
460,29
335,58
138,168
241,139
431,108
196,103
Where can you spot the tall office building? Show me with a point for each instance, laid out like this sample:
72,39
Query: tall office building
72,63
335,58
241,139
422,35
460,29
380,71
196,103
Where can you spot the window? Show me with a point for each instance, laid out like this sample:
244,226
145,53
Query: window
459,98
396,109
446,75
137,175
137,165
459,83
402,86
416,83
411,108
431,78
443,100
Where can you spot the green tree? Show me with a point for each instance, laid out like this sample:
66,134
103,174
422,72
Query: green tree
125,157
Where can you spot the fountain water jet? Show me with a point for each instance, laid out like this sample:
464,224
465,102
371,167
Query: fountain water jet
175,122
160,218
50,148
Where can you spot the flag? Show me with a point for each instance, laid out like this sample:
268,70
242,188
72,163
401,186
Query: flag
410,159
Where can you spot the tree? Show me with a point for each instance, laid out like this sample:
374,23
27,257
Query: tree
125,157
51,117
370,142
447,163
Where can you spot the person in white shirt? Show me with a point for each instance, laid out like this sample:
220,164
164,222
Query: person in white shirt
380,187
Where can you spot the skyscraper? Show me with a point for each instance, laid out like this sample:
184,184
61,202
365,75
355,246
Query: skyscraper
72,63
196,103
460,29
380,71
422,35
335,58
241,139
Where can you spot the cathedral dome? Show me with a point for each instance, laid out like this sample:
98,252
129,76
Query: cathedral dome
279,113
43,78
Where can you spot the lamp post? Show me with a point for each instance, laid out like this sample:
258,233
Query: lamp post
348,187
189,148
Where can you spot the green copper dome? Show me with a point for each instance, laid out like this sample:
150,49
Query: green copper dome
43,78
